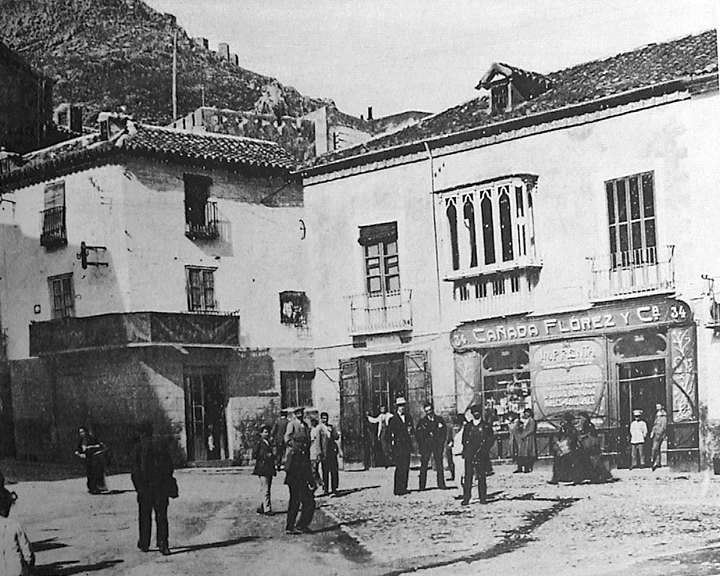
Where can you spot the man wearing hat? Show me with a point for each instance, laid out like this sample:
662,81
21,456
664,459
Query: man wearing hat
638,433
299,474
399,437
477,440
431,434
277,437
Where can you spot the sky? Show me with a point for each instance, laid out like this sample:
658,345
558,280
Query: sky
427,55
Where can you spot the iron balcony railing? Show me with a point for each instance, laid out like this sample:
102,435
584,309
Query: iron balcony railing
492,296
634,272
207,228
382,312
54,232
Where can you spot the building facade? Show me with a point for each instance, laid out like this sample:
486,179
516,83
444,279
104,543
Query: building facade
548,245
152,273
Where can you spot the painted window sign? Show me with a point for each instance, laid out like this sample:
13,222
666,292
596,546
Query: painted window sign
666,312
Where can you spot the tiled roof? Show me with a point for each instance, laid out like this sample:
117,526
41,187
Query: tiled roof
209,147
211,150
652,65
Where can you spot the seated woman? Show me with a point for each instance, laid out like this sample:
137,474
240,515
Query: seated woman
589,466
565,449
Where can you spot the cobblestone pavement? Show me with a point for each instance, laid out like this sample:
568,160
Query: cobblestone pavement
649,524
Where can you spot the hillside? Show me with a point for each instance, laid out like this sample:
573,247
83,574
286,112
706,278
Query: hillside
106,54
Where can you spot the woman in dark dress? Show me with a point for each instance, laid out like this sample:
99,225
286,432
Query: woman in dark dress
95,455
565,449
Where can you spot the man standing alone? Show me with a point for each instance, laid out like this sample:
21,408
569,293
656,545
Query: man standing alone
657,434
431,434
299,475
329,455
152,476
477,440
399,436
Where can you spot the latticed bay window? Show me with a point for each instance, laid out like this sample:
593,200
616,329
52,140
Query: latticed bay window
201,289
631,219
489,226
296,389
62,294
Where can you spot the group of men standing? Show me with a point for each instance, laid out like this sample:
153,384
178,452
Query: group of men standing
301,450
431,434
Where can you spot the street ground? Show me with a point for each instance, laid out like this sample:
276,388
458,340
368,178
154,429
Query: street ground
647,523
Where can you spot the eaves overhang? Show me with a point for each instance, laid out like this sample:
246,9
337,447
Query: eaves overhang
694,85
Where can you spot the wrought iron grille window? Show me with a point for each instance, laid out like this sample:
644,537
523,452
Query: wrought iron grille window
62,294
294,308
54,232
296,389
631,220
201,289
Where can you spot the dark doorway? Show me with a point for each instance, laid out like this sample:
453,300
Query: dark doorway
642,386
386,382
206,400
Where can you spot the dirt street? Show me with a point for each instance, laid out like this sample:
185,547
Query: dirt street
646,523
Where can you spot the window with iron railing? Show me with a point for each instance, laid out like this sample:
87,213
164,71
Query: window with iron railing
201,215
201,289
54,232
62,294
631,220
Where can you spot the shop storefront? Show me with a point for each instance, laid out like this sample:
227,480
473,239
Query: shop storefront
607,361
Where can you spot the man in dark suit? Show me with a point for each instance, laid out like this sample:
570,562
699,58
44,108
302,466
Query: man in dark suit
152,476
299,475
399,438
477,440
431,434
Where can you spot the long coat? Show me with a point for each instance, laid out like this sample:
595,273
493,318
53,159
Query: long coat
152,467
477,441
527,447
399,436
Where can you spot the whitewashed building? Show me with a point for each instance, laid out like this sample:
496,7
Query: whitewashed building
550,244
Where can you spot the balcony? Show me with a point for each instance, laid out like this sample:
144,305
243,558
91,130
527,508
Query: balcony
632,273
381,313
134,329
205,227
54,232
494,296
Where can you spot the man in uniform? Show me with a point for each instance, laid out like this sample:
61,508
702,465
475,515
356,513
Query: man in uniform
399,437
431,434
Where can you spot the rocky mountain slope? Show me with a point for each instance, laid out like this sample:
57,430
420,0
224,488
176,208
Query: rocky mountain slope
112,55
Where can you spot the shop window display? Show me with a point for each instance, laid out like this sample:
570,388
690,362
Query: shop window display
506,383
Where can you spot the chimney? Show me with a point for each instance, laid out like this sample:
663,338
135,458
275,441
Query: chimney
235,59
224,50
68,116
370,116
111,125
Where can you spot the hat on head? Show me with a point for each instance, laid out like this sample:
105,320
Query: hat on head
400,401
637,412
475,408
299,409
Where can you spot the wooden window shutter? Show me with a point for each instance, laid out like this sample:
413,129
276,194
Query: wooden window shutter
351,415
419,387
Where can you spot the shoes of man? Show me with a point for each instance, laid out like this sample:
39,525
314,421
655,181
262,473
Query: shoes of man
143,548
292,531
165,551
517,471
465,503
305,530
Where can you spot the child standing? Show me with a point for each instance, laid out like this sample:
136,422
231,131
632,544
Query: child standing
638,433
264,468
16,556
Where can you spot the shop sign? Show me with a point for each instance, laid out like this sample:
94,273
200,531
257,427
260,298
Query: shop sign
568,375
668,312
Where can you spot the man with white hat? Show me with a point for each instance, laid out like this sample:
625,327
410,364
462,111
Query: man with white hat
638,433
399,435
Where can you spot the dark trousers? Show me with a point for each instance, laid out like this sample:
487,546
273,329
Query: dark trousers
478,471
655,455
303,501
402,470
437,455
330,474
147,502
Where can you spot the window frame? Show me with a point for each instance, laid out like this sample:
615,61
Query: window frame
381,259
290,389
640,236
53,222
67,307
503,234
205,272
